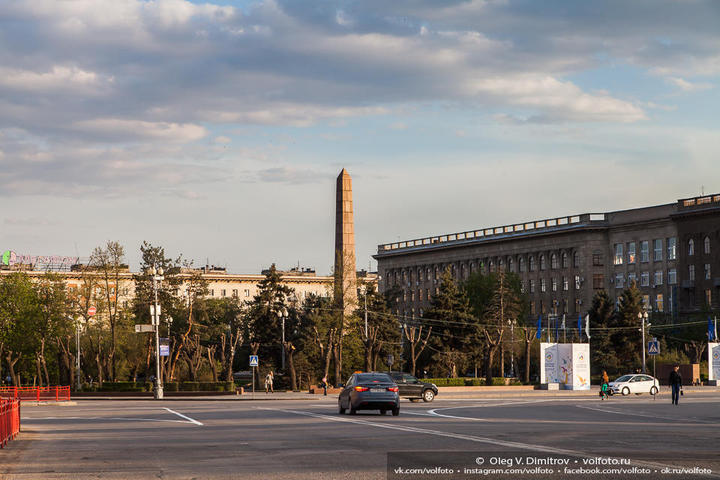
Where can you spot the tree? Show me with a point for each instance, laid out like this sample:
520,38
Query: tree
503,309
455,326
110,262
53,318
627,337
602,348
19,314
263,325
382,327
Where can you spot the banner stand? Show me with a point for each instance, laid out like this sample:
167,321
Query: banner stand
565,364
713,363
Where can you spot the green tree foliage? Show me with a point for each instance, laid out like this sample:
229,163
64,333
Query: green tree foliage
455,330
627,339
602,349
382,336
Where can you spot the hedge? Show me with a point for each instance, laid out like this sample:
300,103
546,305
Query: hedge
468,382
168,387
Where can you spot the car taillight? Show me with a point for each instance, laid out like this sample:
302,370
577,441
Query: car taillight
392,389
361,389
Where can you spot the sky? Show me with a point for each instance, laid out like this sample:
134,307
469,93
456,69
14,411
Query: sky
216,130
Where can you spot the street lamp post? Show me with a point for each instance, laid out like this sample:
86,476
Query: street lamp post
77,344
643,316
157,276
282,314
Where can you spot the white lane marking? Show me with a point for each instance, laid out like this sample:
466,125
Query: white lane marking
471,438
192,420
481,405
691,419
30,419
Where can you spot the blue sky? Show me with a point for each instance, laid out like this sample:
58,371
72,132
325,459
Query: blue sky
217,129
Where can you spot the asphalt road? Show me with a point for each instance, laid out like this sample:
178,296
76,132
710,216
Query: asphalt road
309,440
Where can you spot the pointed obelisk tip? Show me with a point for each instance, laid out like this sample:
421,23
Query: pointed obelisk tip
344,173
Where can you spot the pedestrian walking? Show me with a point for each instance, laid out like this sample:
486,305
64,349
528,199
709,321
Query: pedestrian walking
324,385
676,384
269,382
604,386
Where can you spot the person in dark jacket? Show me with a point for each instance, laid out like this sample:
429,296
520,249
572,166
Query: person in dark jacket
676,384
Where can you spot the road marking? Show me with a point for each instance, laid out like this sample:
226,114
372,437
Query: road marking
30,419
192,420
471,438
597,409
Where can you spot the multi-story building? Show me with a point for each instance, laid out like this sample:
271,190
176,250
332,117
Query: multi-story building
220,284
562,262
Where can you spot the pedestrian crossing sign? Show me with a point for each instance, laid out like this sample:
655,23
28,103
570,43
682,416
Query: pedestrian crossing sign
254,360
654,347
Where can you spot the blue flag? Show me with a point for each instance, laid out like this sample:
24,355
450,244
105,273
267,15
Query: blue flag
539,326
711,330
580,325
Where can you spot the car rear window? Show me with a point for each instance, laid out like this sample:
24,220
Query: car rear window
373,378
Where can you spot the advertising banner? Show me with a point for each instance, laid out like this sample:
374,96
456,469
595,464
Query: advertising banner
567,364
713,361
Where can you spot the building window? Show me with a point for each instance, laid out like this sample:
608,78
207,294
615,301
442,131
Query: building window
672,276
427,294
619,280
543,286
565,260
412,296
597,259
658,277
578,302
657,250
247,292
618,260
511,265
691,247
659,302
212,292
632,278
576,260
531,262
598,281
222,293
235,292
708,297
646,302
631,252
645,279
522,287
707,271
501,264
565,306
671,248
532,286
543,263
492,266
644,251
554,261
566,284
577,282
553,283
706,245
521,264
691,272
543,307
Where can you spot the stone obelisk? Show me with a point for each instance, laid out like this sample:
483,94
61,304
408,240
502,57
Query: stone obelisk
345,281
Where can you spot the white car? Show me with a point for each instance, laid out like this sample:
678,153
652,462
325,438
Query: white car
636,383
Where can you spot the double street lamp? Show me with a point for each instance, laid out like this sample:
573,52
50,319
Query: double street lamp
282,315
157,277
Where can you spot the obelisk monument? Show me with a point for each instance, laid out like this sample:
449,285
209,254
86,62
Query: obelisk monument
345,281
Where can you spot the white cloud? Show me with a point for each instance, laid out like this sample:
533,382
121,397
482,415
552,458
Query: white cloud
57,78
686,86
173,132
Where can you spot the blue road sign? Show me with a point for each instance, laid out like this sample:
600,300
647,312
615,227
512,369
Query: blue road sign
164,347
653,347
254,361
